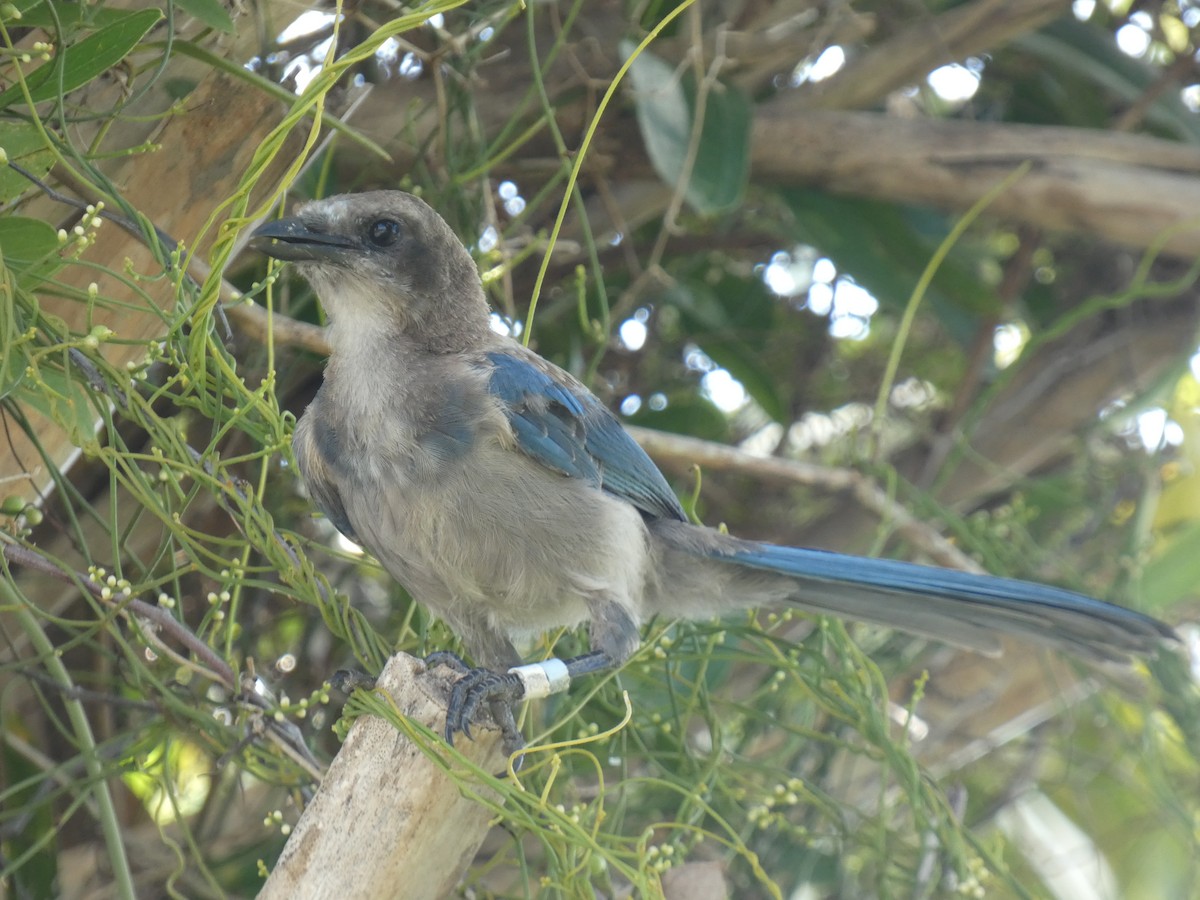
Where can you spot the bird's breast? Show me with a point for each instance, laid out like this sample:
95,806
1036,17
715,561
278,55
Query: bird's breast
434,486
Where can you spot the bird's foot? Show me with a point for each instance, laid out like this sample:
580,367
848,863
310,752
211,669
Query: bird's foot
499,690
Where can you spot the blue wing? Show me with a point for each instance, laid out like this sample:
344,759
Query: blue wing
561,425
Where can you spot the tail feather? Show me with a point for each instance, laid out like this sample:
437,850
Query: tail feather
959,608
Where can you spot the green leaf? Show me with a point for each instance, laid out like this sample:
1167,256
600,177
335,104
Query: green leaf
62,400
884,247
26,240
723,157
12,363
68,16
662,112
83,61
25,146
210,12
25,8
666,103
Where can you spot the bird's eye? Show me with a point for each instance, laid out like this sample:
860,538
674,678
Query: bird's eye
383,232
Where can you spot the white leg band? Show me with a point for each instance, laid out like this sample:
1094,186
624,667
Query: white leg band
541,679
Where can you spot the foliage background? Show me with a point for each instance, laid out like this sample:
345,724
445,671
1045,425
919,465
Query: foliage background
149,475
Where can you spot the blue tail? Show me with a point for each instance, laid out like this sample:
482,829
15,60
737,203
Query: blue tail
957,607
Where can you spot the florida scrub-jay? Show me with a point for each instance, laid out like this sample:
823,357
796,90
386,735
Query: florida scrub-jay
503,495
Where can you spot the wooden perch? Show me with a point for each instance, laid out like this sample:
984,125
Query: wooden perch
387,820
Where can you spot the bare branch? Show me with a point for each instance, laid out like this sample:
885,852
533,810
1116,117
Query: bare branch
1128,189
928,43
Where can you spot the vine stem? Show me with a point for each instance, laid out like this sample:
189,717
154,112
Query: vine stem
105,811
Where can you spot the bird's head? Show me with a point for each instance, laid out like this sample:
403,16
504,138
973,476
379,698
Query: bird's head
383,260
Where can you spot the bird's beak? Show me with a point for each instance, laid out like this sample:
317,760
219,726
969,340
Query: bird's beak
293,240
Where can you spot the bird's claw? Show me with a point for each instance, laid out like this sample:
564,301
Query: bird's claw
499,690
448,659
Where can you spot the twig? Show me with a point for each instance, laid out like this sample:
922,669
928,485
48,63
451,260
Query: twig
928,43
1169,79
214,667
253,321
1017,271
167,244
77,693
220,669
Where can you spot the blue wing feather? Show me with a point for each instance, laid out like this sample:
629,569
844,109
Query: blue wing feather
561,425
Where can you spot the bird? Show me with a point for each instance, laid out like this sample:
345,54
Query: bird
508,500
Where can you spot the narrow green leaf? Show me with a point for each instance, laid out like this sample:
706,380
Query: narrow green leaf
24,145
1091,53
210,12
12,363
83,61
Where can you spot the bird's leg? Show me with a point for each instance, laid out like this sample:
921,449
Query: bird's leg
501,691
